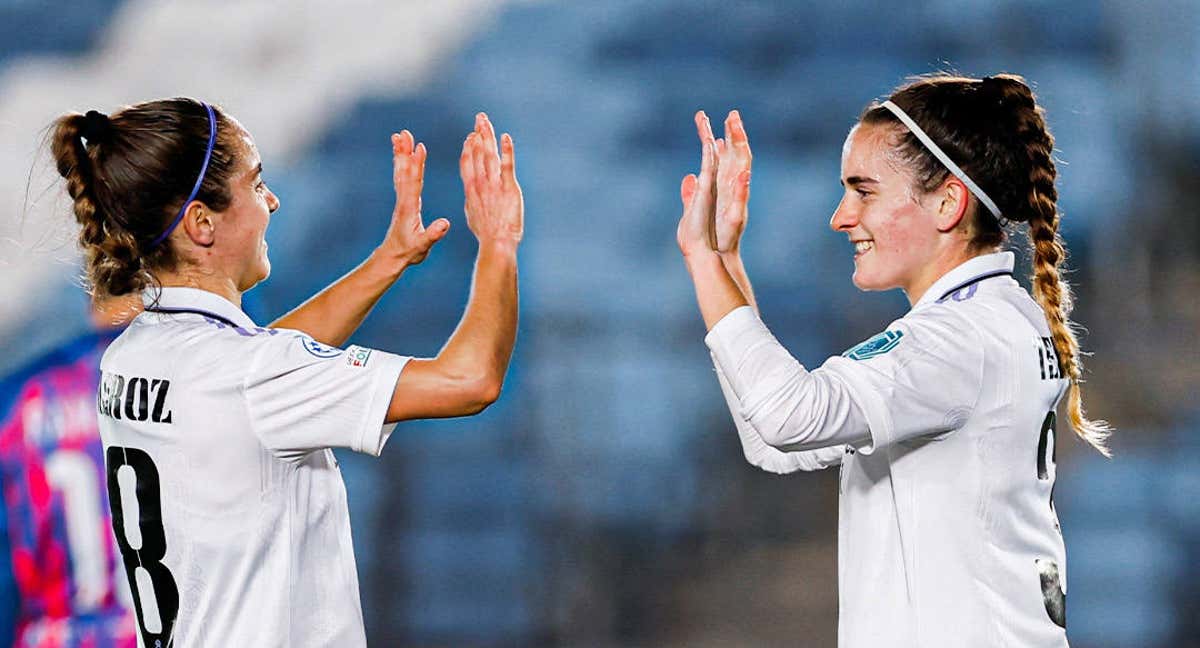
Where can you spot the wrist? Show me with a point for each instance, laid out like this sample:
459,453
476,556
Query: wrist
385,265
702,260
502,246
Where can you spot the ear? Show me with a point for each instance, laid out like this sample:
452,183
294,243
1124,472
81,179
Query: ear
953,205
198,224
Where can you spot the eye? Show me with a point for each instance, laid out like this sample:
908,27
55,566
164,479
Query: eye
862,193
261,185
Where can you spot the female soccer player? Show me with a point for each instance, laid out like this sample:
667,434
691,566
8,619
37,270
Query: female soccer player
944,423
227,503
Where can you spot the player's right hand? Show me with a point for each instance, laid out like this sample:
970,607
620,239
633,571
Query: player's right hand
733,184
494,206
408,241
695,233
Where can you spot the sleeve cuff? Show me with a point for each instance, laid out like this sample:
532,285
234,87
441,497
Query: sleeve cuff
733,336
375,429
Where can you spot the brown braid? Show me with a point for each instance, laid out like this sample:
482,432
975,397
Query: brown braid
1049,288
994,129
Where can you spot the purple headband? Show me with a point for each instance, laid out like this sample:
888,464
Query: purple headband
212,140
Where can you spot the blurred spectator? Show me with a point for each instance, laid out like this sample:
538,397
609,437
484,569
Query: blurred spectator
62,582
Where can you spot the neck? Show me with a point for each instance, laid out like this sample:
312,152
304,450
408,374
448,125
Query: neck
944,262
115,312
223,286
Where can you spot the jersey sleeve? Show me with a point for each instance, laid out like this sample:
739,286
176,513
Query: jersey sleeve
786,405
303,395
770,458
920,378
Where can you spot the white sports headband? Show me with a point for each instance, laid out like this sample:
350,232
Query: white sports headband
942,157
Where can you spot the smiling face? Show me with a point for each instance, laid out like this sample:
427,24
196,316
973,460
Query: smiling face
242,228
892,226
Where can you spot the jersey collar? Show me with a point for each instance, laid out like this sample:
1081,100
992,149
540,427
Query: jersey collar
980,268
173,300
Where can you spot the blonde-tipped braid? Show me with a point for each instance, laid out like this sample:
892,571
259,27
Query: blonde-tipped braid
1049,289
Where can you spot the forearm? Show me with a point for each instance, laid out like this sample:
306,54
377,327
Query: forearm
716,291
332,315
737,271
482,344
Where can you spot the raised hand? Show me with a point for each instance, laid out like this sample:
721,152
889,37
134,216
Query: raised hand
408,241
494,206
699,194
733,184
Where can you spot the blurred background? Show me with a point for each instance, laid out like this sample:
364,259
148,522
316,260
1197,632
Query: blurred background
604,500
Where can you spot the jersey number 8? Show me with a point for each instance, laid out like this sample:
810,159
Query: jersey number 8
133,480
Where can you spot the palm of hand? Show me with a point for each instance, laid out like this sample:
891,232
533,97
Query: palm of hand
407,238
494,206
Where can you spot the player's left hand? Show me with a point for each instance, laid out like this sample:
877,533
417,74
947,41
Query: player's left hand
408,240
733,184
695,233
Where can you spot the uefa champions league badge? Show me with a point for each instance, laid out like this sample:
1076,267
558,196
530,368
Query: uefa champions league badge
317,349
875,346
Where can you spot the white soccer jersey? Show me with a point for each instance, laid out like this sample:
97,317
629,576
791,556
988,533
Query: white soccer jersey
944,427
228,504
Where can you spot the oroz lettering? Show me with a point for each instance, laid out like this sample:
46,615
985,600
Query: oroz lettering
129,398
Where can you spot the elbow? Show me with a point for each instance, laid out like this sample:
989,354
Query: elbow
480,392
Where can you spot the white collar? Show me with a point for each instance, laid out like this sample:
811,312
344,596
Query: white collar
173,300
970,271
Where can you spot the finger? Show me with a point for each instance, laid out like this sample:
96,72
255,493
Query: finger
401,164
406,142
735,130
722,146
419,156
466,166
508,161
687,189
707,163
436,231
478,157
491,161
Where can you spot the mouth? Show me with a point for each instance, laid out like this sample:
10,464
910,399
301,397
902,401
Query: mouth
862,247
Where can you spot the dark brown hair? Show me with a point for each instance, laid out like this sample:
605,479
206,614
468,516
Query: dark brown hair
128,175
996,132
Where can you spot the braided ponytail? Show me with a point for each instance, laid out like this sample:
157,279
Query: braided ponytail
114,266
1049,288
995,130
128,174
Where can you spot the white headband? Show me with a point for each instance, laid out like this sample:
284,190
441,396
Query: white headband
941,155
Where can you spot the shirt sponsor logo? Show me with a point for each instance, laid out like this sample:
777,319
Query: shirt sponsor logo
357,356
133,398
318,349
875,346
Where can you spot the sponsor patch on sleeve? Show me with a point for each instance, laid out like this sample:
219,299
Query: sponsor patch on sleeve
357,356
875,346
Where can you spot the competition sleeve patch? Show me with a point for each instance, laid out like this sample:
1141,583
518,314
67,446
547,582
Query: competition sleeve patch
875,346
317,349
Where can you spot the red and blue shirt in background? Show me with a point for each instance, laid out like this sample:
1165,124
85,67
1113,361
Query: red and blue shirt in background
62,584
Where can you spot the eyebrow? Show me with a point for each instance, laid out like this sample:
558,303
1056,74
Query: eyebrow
256,171
858,180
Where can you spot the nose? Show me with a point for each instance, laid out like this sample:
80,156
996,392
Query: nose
272,201
844,218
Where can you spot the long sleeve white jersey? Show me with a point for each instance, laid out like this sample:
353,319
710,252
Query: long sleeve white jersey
228,505
944,429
